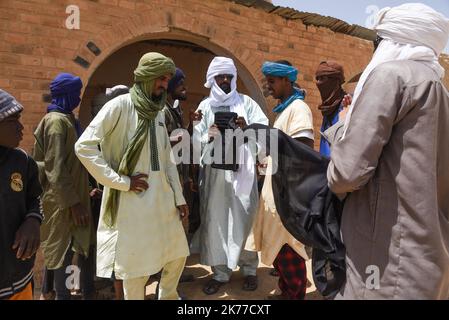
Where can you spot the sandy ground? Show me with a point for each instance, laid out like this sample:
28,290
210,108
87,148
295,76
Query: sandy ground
233,289
193,290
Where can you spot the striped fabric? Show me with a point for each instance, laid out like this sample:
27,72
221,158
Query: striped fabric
16,287
8,105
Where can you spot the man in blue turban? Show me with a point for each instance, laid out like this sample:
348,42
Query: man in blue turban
68,226
271,238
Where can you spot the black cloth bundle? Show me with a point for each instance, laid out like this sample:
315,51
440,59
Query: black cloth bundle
306,206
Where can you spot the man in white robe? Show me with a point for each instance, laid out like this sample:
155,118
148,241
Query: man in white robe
228,199
140,231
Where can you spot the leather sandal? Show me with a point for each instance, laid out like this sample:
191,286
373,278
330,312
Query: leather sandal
212,286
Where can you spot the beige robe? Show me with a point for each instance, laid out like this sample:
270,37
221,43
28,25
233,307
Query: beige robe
270,234
394,162
148,233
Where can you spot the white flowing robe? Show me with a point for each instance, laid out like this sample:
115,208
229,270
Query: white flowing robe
226,217
148,232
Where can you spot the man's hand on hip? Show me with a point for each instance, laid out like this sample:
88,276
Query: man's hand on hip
138,182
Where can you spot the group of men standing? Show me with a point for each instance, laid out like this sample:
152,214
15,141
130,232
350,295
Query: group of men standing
389,159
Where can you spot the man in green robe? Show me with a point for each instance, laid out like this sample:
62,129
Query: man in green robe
67,226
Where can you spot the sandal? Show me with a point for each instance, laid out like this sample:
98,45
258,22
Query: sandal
250,283
212,286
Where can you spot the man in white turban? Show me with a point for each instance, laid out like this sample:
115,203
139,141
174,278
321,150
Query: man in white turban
393,160
228,198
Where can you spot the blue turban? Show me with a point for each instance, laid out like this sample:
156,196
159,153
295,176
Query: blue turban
280,70
174,82
65,93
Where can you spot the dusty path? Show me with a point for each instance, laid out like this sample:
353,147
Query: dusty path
193,290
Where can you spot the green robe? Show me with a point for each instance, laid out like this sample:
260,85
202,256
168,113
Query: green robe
65,183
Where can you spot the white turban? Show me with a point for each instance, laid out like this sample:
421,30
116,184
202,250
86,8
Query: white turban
415,24
217,97
412,31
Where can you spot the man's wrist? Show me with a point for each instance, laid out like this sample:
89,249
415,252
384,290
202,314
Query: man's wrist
35,216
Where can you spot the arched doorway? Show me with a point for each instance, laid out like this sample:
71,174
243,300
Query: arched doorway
193,58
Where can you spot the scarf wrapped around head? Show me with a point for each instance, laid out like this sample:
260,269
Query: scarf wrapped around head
412,31
281,70
174,82
330,88
414,23
65,92
217,97
151,66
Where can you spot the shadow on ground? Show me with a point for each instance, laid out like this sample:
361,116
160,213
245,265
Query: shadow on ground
267,285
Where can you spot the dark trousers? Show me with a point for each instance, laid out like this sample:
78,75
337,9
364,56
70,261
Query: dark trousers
292,273
58,279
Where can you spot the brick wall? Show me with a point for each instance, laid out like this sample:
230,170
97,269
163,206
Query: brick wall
35,45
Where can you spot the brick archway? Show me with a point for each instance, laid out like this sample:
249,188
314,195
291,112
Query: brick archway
173,27
40,46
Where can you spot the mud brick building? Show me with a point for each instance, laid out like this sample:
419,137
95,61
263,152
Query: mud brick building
35,45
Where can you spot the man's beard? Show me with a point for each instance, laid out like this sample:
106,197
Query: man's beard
225,87
156,99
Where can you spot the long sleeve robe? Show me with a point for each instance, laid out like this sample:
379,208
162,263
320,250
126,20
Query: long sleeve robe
394,163
148,232
65,183
226,217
